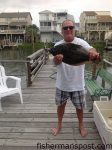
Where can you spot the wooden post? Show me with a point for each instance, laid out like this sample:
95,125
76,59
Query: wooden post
29,82
46,54
104,66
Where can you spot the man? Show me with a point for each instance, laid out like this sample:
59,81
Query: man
70,79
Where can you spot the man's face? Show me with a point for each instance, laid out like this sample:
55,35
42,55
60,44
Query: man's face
68,31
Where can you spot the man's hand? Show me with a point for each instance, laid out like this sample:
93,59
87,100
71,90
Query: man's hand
93,54
58,59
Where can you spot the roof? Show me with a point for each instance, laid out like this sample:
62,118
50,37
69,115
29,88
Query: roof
15,14
90,13
45,12
104,18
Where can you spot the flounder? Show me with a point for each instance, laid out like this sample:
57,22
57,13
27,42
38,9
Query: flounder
73,54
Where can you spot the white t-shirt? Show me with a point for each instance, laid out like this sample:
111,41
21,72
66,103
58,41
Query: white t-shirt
71,78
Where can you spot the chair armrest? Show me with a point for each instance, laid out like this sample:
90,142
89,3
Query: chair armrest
17,79
14,78
101,92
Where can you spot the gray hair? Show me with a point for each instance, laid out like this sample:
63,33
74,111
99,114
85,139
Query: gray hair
68,20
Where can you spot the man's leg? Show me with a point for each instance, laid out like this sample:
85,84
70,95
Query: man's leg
60,113
83,131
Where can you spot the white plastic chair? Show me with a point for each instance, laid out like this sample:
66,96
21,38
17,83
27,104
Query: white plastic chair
5,90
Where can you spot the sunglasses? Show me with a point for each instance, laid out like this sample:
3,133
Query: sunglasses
68,27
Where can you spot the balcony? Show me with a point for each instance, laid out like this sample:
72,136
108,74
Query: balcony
98,28
51,29
47,28
91,28
17,31
103,28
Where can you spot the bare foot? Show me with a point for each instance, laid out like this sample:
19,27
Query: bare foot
83,131
55,131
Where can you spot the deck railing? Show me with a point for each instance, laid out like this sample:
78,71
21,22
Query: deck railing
35,63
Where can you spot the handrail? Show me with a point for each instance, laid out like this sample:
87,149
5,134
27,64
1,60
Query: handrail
105,64
34,63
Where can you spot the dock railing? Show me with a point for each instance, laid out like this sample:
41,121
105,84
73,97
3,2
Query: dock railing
34,64
106,64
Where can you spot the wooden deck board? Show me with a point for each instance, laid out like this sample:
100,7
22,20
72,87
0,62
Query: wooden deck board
23,126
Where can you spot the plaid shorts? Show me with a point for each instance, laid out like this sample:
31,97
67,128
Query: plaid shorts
77,98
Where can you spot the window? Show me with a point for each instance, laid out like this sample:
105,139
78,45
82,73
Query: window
49,23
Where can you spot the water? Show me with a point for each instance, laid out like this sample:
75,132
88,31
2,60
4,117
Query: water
14,54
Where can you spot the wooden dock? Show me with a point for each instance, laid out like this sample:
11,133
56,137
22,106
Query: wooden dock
22,127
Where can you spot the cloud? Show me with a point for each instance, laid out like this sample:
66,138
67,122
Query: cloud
74,7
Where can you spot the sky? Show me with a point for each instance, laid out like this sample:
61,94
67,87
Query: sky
73,7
